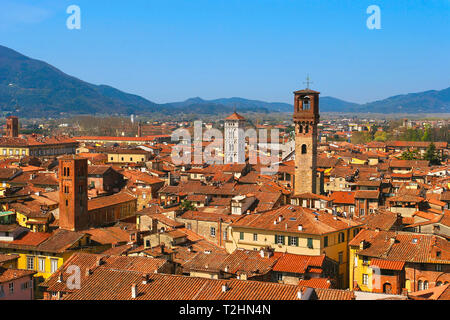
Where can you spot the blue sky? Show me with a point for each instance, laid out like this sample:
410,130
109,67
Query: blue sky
171,50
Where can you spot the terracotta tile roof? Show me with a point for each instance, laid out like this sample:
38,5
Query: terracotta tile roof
312,222
295,263
436,293
367,194
405,198
421,144
381,219
207,216
8,173
7,274
247,262
8,257
333,294
368,183
60,240
343,197
387,264
98,170
27,239
235,116
111,200
163,219
105,285
96,263
118,250
394,163
322,283
407,246
108,235
309,195
205,261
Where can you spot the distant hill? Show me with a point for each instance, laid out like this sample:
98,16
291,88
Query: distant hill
42,90
33,88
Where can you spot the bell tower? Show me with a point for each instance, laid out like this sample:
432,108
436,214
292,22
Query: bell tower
306,118
73,200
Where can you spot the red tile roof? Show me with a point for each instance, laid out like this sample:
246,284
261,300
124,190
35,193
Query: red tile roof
387,264
235,116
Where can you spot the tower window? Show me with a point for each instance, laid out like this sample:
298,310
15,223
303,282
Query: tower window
306,103
304,149
306,129
300,128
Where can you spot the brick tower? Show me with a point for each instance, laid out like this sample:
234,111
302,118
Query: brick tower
12,126
73,211
306,118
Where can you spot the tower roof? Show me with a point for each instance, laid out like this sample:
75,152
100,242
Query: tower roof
307,91
235,116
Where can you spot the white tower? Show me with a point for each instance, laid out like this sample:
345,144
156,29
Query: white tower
234,139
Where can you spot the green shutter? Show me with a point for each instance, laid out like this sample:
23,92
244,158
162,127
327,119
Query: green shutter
275,239
289,240
283,240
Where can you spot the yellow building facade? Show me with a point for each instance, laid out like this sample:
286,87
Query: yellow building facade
334,244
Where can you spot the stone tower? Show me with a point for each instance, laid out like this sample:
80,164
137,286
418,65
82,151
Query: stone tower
234,139
306,118
12,126
73,210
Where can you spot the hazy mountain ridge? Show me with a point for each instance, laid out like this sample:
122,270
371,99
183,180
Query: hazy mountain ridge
41,90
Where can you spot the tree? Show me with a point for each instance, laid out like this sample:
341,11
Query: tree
187,205
431,155
380,136
361,137
410,155
426,134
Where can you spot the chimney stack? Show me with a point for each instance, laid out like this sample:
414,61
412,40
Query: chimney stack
134,291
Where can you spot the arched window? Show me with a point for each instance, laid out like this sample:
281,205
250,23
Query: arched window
306,103
300,128
420,285
439,283
306,129
425,285
304,149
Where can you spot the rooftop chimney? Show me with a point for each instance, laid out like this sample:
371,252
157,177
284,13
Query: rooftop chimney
300,227
145,278
133,291
225,288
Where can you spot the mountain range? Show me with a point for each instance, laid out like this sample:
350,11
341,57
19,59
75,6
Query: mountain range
33,88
